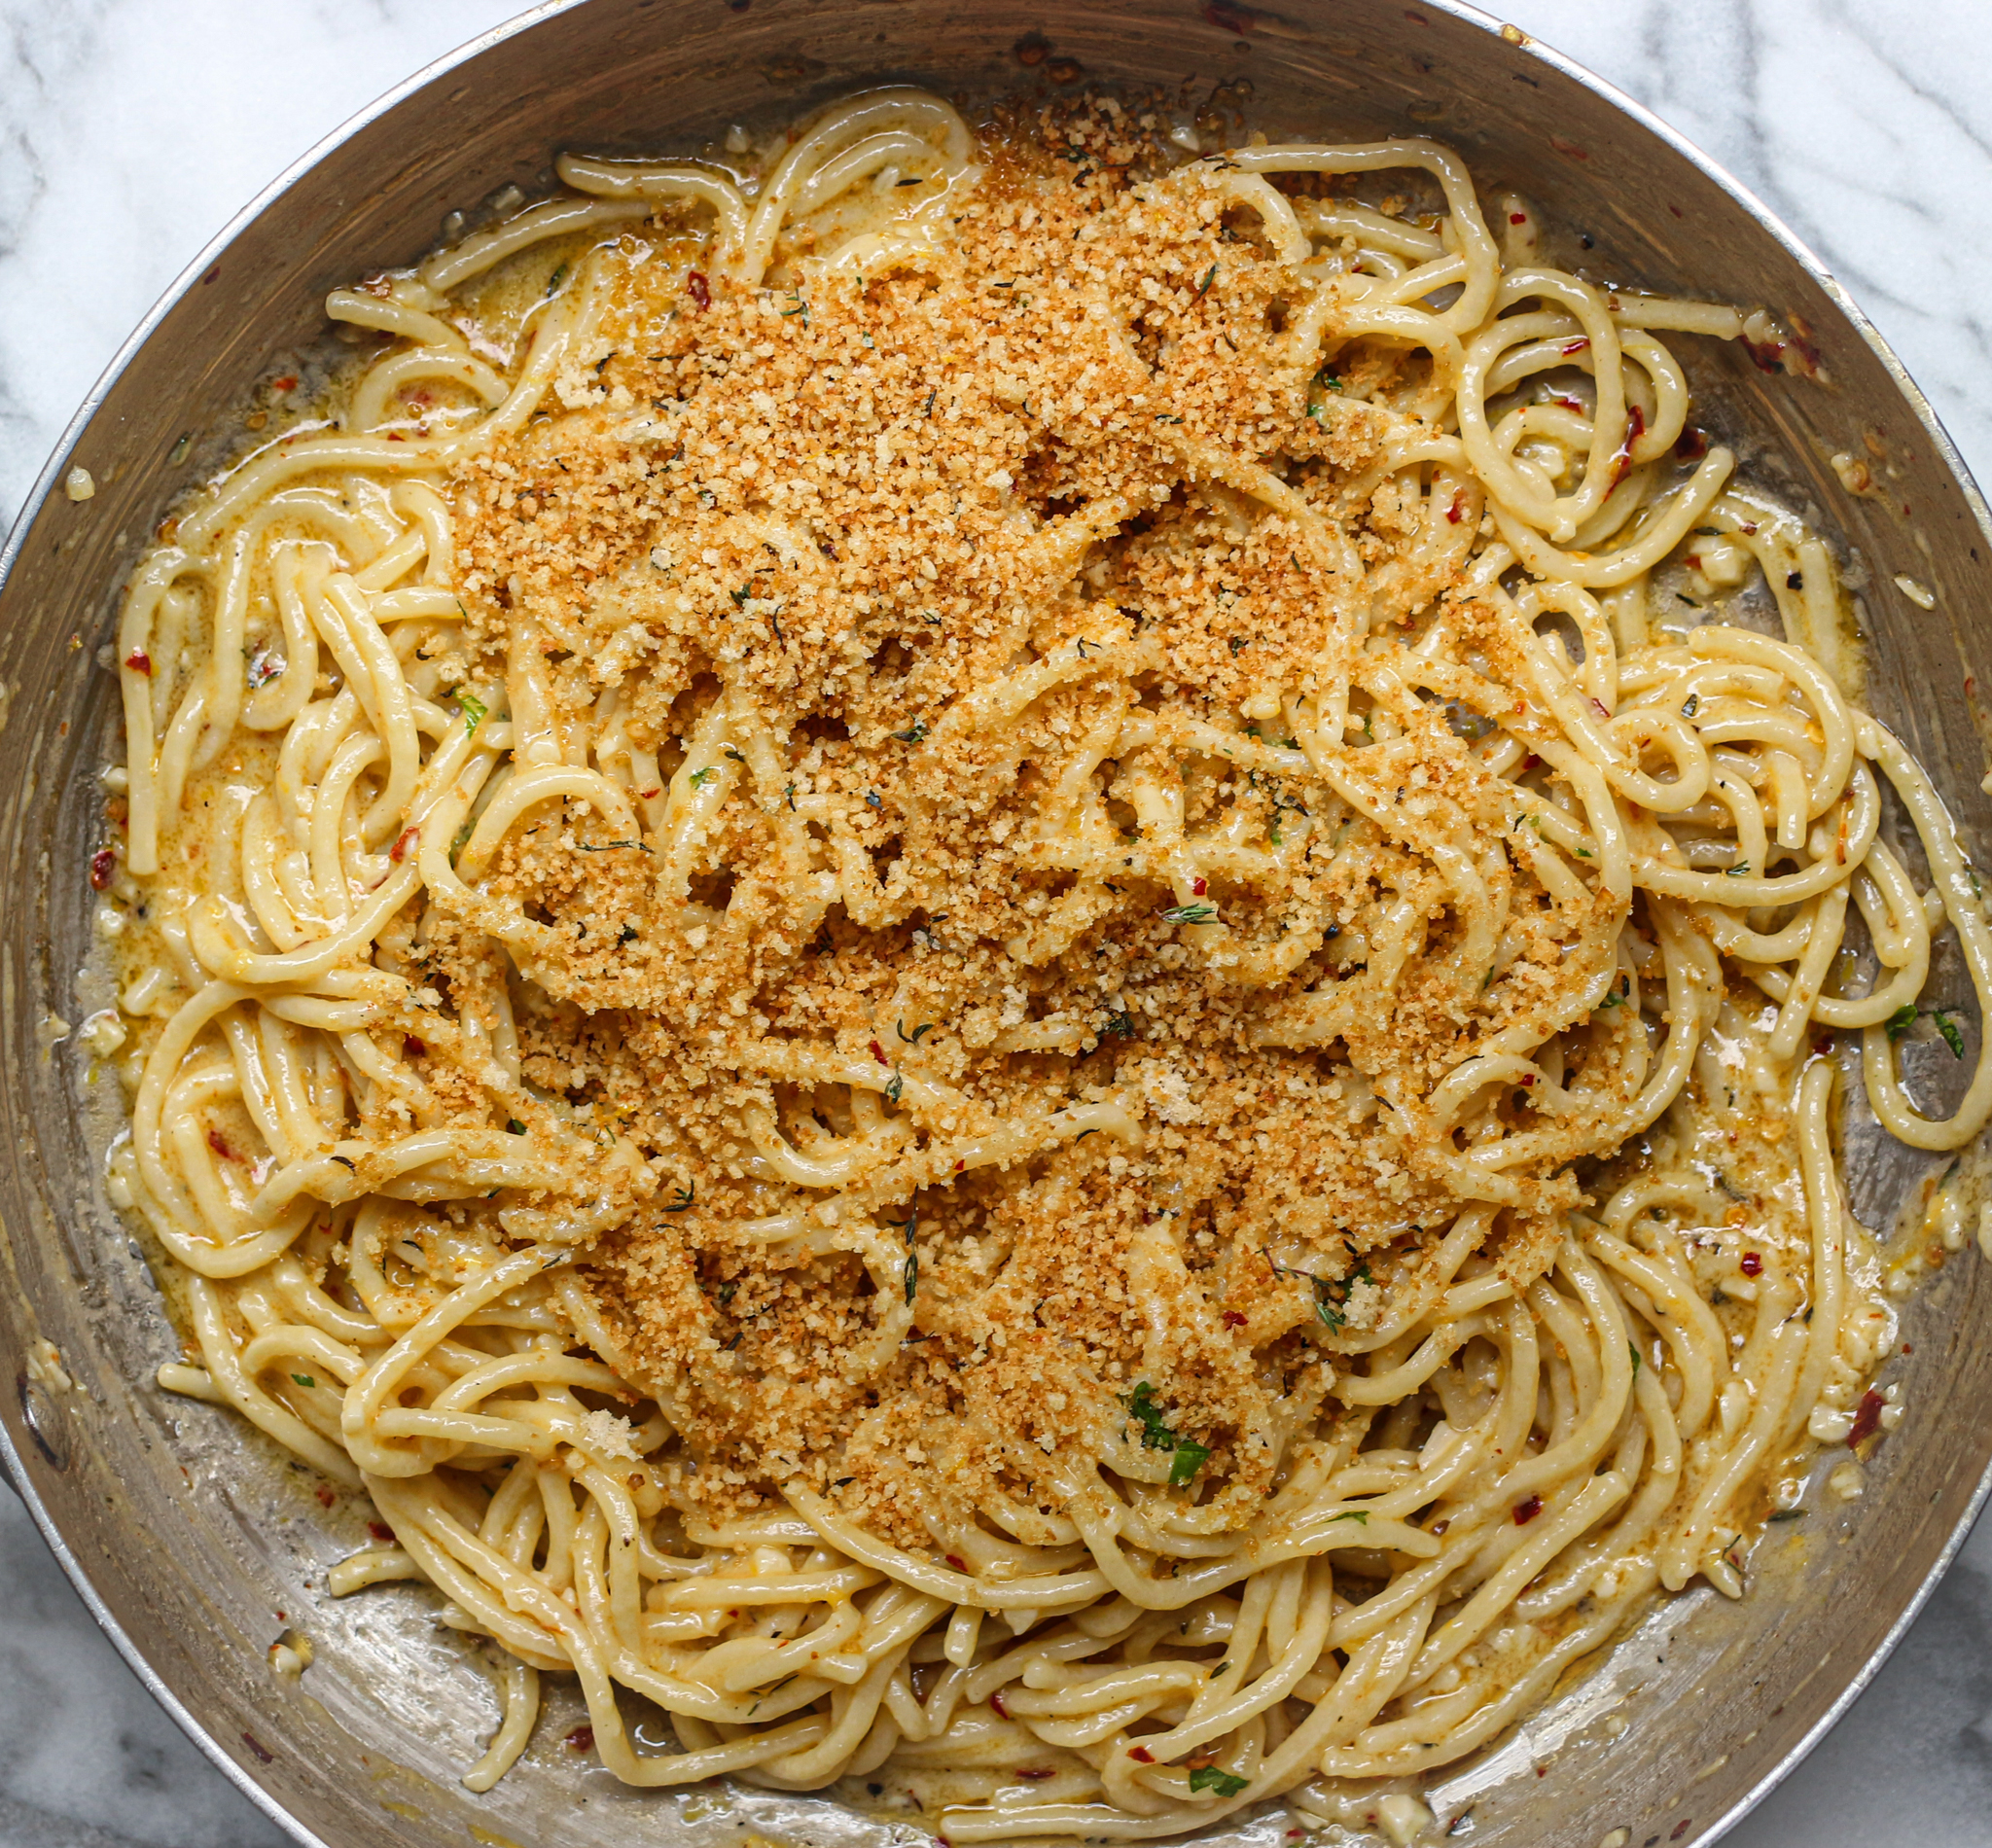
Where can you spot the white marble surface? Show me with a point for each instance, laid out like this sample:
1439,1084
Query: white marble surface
129,132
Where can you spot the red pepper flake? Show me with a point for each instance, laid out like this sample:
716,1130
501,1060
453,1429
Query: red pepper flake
1233,1320
1034,1774
1692,444
878,1053
1517,218
1767,355
1680,1828
699,290
648,793
956,1561
103,868
139,661
1526,1512
581,1739
326,1497
263,1752
1530,762
1635,428
381,1532
1568,149
1198,886
220,1145
288,382
1601,709
1526,1080
1909,1347
1866,1419
399,851
996,1701
1140,1755
1753,1265
411,1047
1457,511
1578,345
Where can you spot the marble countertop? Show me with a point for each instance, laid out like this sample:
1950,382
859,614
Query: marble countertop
131,130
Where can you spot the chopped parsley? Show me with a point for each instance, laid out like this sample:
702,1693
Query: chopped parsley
1207,1777
1907,1015
1155,1435
473,709
701,777
304,1379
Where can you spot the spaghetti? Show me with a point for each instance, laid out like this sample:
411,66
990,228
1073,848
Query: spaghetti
978,952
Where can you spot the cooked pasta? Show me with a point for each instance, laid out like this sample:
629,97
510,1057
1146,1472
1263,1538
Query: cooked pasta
1013,956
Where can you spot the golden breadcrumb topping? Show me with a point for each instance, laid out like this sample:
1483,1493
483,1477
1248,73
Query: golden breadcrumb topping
955,613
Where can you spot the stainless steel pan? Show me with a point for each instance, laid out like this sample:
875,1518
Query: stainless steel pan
197,1546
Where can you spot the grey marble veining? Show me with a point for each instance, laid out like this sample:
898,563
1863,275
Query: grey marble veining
131,131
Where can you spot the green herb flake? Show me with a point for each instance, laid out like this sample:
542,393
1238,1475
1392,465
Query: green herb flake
474,711
1360,1515
305,1380
1789,1515
1210,275
1190,914
1188,1459
1901,1021
1949,1027
558,276
913,1038
701,777
1155,1434
513,1126
1207,1777
915,734
683,1198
